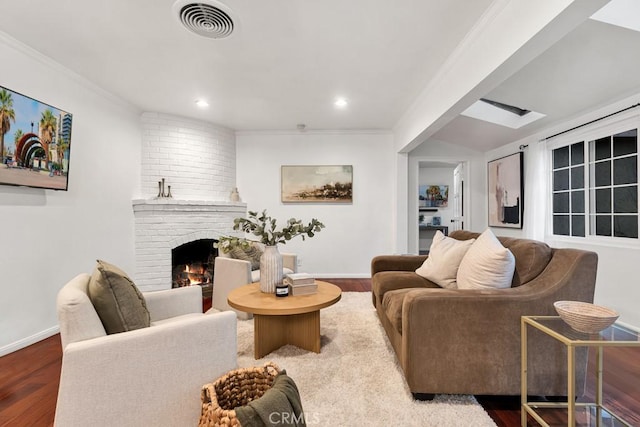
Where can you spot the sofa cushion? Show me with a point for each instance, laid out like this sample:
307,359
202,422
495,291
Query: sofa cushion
385,281
445,255
176,319
531,257
118,302
486,265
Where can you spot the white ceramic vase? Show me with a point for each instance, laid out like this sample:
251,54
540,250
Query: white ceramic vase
270,269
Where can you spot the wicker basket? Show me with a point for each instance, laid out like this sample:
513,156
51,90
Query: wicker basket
585,317
233,389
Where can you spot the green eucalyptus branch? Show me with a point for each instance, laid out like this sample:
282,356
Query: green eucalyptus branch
265,227
227,243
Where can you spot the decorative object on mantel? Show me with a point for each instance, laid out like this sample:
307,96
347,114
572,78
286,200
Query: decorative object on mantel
234,196
161,193
585,317
264,226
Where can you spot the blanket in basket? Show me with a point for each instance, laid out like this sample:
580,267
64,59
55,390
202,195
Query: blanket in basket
279,406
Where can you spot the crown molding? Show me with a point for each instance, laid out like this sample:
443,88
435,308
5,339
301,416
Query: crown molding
57,67
316,132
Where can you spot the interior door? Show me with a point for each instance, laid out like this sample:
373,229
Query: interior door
457,222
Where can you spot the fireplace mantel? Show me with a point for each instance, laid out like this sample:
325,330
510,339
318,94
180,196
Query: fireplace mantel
170,204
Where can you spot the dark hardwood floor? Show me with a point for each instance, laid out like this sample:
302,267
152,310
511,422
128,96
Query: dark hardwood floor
29,381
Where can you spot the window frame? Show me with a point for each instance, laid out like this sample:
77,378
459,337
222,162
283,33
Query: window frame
606,128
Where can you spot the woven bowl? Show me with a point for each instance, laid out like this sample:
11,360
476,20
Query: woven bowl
585,317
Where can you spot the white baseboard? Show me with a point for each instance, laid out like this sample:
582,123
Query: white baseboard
341,275
628,326
25,342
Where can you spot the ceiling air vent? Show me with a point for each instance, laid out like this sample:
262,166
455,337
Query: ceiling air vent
207,18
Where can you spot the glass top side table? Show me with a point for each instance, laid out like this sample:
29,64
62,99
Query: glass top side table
613,336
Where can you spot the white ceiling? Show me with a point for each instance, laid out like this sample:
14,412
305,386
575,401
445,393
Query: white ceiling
289,60
594,65
285,65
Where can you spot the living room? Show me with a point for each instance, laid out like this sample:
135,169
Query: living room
50,236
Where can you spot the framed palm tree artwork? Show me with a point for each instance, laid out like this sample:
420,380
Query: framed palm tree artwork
433,196
35,142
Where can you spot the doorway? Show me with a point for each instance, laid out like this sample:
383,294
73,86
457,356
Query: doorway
444,203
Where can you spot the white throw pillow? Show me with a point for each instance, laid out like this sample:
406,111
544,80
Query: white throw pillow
445,254
487,264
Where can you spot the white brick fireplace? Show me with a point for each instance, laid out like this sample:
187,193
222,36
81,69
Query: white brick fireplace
198,160
162,225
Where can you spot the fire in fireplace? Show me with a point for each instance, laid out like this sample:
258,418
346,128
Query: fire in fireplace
192,264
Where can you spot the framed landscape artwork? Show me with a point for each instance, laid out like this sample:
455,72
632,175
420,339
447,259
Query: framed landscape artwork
317,184
506,191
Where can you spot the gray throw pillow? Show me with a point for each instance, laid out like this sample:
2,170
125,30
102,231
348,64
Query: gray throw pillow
252,254
118,302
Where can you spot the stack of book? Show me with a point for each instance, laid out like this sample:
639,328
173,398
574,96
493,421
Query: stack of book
301,284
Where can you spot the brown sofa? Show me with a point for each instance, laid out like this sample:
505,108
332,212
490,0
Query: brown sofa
456,341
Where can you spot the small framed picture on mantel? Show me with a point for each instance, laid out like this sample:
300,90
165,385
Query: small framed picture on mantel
506,191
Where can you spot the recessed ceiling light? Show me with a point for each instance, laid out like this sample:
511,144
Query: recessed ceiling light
202,103
340,103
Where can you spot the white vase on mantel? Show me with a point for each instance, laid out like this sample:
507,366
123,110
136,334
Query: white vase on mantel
270,269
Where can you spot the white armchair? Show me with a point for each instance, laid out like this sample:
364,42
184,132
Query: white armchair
150,376
230,273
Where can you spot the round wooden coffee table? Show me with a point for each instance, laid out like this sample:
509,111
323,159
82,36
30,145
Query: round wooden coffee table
284,320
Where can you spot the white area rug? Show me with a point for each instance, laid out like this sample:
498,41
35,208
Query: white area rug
356,379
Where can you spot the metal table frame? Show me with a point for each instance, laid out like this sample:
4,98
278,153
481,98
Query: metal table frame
571,340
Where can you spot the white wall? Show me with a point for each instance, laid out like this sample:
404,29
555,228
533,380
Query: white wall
616,286
354,233
48,237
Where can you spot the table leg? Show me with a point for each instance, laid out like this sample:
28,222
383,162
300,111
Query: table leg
571,386
273,332
599,363
523,372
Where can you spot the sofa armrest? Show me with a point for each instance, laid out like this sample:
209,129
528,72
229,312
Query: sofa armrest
173,302
462,341
150,376
396,263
